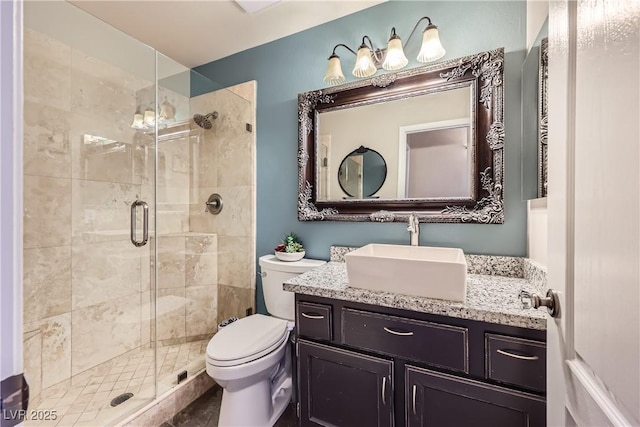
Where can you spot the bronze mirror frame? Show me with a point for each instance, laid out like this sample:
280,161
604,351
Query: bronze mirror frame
543,118
484,71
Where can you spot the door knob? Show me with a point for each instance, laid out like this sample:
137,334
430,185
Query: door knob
550,301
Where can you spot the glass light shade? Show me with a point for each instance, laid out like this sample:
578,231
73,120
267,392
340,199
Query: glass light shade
149,117
364,63
138,121
167,110
431,49
395,58
334,75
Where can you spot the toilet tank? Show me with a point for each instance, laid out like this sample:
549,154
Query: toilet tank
274,272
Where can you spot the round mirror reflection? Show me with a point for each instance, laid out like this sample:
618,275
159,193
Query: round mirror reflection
362,173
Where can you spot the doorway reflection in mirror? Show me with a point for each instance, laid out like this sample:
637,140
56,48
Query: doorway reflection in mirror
435,160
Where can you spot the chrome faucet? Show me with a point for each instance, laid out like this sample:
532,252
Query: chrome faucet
414,229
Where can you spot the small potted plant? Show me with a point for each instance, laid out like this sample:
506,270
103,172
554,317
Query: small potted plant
290,249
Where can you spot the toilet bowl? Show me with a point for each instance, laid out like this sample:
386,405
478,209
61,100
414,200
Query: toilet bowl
247,359
251,358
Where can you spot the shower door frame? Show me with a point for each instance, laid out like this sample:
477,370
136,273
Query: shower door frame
11,168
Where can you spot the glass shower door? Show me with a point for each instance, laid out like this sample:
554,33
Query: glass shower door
125,275
205,268
89,292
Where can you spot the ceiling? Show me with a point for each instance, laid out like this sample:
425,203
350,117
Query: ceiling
197,32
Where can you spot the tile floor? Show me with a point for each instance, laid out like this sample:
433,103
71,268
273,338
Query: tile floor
204,412
85,399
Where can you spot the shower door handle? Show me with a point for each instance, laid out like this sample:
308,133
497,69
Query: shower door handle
145,223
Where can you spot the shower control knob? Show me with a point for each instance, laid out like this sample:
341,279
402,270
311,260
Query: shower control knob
213,205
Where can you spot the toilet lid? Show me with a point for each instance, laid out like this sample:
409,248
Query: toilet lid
246,337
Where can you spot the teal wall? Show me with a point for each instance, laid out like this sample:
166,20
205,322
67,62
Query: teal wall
295,64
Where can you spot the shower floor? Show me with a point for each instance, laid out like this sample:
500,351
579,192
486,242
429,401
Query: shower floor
86,399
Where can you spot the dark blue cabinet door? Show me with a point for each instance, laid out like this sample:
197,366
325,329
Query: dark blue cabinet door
435,399
343,388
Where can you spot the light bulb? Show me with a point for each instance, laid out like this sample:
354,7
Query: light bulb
149,117
138,120
364,63
334,75
395,58
431,49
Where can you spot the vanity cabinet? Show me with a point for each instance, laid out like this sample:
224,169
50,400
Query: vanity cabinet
362,365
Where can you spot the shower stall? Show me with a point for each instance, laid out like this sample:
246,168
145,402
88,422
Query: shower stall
126,274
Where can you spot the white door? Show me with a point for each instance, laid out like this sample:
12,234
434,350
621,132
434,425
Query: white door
594,212
325,166
353,176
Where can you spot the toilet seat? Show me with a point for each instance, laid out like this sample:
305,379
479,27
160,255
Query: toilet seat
247,339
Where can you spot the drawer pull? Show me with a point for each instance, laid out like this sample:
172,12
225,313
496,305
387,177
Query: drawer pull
312,316
401,333
384,390
413,399
516,356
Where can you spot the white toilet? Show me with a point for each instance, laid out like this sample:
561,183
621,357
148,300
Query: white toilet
251,358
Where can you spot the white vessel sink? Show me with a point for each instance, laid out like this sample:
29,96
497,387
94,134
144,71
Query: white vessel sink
411,270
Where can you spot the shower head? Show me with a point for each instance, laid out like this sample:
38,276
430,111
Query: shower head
205,122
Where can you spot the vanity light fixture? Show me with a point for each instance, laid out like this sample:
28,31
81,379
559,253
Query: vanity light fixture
143,121
146,121
369,58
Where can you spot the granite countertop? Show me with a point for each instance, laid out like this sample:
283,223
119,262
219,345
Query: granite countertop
490,298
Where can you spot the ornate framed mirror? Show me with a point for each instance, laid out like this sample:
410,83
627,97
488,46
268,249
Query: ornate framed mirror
439,128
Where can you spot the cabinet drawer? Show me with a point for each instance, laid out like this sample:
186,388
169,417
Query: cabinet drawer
516,361
436,344
314,320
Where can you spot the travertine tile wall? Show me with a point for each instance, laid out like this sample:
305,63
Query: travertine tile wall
226,165
83,280
187,287
187,261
